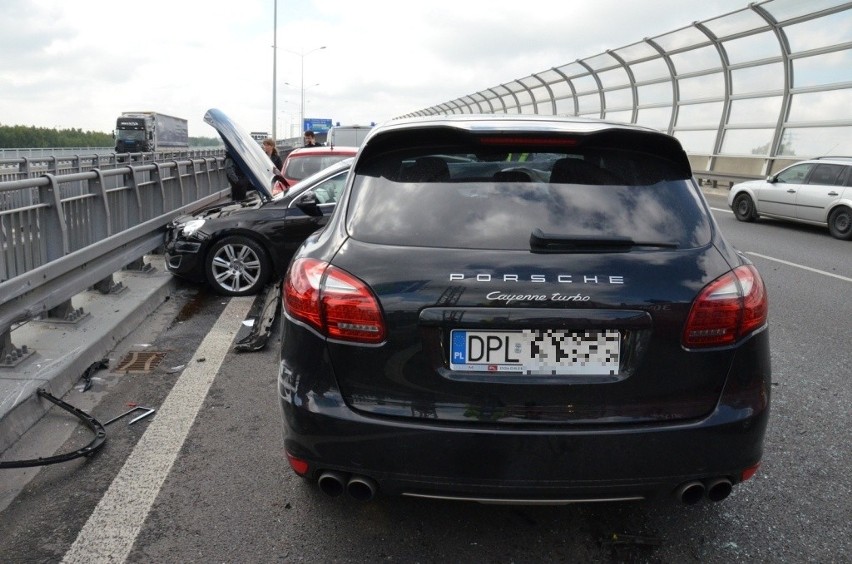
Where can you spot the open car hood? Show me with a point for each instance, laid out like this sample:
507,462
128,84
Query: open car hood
246,152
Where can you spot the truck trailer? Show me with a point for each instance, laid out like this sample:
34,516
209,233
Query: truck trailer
148,132
347,135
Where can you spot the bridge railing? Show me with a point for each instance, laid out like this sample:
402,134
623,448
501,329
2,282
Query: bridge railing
61,234
728,170
749,90
33,164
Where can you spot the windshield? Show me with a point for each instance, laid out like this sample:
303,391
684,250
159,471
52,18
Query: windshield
130,135
326,182
495,200
299,168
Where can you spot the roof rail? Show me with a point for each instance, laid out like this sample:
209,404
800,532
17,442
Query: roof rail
838,157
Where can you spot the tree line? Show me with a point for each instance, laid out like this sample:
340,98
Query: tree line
31,137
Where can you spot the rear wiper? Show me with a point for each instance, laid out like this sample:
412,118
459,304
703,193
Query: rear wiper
541,242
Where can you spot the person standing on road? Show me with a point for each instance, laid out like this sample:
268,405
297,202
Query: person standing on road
272,152
240,184
311,139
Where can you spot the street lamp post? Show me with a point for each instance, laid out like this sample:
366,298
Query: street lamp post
303,103
274,69
303,54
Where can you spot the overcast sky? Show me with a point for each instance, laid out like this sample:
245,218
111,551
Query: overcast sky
79,64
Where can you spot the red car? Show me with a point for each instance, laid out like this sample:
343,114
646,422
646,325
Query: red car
301,163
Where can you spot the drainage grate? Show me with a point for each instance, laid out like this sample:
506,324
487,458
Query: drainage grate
140,362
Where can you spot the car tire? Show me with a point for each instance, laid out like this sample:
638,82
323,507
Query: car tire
744,208
237,266
840,223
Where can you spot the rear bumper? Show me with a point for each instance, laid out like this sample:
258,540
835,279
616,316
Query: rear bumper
522,465
527,463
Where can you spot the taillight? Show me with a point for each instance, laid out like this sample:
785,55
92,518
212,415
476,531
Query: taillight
298,465
332,301
727,309
749,472
549,141
301,291
350,310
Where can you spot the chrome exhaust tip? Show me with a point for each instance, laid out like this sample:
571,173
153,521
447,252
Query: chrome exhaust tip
332,483
690,493
361,488
719,489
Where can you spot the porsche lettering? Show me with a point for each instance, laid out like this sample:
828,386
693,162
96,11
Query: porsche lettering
539,278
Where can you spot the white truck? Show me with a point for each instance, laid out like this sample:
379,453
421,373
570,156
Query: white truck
148,132
347,135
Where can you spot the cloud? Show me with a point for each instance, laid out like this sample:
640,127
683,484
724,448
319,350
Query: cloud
80,64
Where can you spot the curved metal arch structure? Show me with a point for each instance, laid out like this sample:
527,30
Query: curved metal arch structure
746,93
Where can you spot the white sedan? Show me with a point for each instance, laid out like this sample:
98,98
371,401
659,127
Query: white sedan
817,191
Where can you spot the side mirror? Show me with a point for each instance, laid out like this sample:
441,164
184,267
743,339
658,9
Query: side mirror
309,204
279,184
771,179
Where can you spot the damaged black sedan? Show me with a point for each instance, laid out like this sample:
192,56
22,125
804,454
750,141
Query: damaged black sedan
237,247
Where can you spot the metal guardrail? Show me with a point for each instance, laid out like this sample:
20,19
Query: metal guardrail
65,161
731,170
61,234
15,152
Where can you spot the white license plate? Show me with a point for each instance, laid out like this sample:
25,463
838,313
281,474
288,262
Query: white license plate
536,352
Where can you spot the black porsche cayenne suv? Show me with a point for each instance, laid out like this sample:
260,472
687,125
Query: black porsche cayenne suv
523,309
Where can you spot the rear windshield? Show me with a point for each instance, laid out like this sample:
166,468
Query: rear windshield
302,167
495,200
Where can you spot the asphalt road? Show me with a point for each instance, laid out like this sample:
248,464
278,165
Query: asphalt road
204,479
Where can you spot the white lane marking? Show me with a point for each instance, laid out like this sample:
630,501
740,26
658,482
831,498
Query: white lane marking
111,530
793,264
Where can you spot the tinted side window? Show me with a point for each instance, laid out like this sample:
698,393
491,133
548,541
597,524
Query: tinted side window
329,191
827,174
